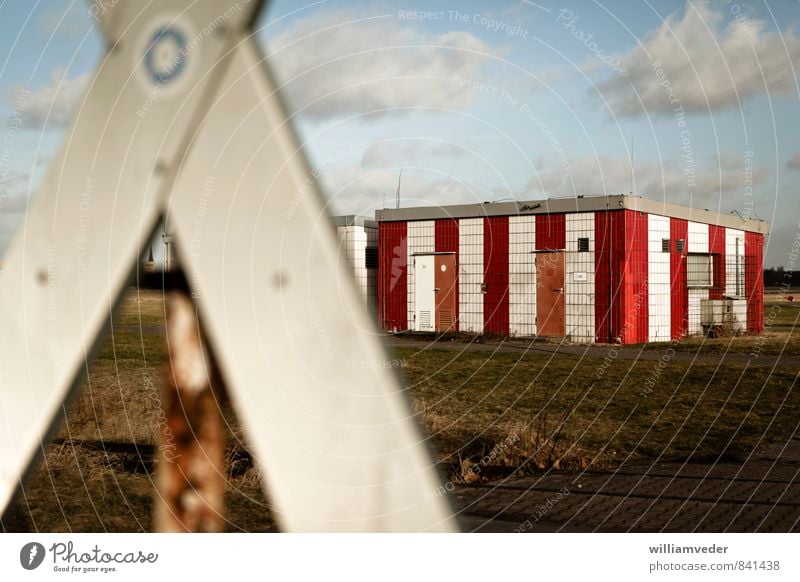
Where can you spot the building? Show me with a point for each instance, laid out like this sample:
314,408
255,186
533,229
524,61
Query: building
610,269
358,246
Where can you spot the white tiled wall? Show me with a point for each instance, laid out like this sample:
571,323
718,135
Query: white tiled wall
698,238
470,253
695,297
658,278
522,275
731,236
579,278
697,243
353,242
420,239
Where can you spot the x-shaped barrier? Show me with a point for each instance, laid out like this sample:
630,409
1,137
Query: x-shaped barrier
182,119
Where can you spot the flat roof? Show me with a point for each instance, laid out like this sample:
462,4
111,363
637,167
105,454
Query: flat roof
354,220
568,205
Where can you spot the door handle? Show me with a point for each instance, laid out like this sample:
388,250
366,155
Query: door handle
436,289
560,289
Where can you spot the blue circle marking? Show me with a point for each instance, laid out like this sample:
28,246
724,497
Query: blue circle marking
166,54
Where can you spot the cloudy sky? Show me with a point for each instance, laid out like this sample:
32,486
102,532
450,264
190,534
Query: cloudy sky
482,101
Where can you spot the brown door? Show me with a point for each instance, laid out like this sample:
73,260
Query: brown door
445,287
550,294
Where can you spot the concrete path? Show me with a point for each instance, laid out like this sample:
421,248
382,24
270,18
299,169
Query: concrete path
758,494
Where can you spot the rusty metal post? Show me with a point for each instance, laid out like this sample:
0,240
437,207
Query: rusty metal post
191,471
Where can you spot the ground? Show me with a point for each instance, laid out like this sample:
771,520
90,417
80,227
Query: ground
530,436
758,492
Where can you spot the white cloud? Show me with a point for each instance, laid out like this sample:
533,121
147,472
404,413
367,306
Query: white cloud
708,65
408,151
338,62
714,185
781,212
51,104
355,189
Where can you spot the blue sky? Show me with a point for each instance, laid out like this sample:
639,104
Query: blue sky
484,101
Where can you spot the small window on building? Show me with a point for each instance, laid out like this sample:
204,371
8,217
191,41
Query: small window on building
583,245
371,258
700,270
679,245
664,245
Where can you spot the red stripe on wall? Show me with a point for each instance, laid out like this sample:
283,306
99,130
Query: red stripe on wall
551,231
495,264
754,280
609,236
678,229
446,241
716,246
392,270
635,309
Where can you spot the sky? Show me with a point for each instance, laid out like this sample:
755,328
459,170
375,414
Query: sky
695,103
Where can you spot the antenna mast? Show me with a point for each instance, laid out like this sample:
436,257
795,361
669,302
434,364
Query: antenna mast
397,196
633,181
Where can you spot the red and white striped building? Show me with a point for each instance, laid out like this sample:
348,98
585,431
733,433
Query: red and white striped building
610,269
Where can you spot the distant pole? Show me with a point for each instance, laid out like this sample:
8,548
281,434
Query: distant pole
397,196
168,266
191,467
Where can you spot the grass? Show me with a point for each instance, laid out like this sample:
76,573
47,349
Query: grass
781,334
570,412
77,490
782,313
482,410
83,490
772,342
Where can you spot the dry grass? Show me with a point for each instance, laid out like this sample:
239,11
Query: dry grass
82,490
569,412
782,313
77,488
773,342
485,412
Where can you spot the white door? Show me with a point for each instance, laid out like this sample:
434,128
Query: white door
424,295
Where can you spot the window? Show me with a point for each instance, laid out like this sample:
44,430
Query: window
679,245
371,258
700,270
664,245
583,245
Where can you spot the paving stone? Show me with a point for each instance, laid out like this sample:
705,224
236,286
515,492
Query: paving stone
761,493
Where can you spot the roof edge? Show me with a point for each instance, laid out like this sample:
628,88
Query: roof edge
353,220
570,205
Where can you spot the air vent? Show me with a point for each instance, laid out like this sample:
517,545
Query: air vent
664,245
446,318
679,245
424,319
583,245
